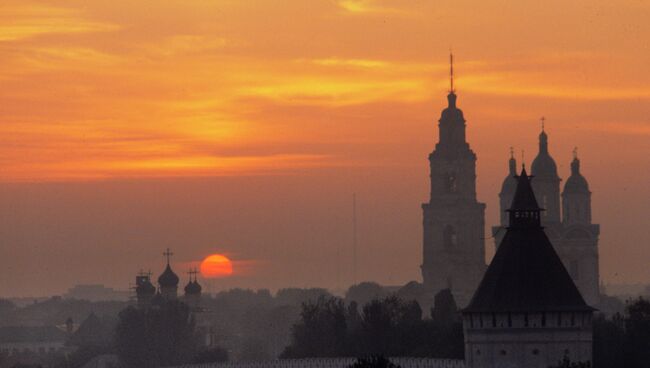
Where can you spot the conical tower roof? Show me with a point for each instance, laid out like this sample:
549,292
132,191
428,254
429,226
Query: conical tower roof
526,275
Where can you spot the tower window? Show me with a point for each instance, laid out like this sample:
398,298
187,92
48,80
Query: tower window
451,183
450,239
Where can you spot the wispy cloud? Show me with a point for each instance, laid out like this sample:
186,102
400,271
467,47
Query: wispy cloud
24,20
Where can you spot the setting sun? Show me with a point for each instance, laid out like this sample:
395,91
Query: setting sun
216,265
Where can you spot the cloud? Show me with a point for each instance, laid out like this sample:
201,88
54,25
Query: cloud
20,21
367,7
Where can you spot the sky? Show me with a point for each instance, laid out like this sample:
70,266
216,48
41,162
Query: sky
243,128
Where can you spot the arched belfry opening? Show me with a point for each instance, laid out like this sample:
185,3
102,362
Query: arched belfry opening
449,237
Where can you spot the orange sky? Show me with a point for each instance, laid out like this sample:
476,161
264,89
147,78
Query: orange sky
343,93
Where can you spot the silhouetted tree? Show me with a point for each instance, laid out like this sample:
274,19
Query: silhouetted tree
444,308
637,334
364,292
297,296
387,326
321,331
374,361
156,336
609,341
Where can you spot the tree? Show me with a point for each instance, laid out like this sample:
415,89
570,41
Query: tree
365,292
637,334
321,331
609,341
444,309
388,326
156,336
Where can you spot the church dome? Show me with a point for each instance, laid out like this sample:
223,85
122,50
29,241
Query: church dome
510,182
145,288
576,183
193,288
543,164
451,112
168,278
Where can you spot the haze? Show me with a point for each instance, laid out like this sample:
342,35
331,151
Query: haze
244,127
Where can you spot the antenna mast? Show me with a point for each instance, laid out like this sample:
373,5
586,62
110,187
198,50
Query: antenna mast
451,71
354,238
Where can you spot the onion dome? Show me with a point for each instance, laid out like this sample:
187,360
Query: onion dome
145,288
193,288
543,164
576,183
168,278
451,112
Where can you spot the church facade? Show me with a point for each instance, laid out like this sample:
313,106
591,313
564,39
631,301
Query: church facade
566,217
453,219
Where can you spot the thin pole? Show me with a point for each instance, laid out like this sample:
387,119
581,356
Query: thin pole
354,238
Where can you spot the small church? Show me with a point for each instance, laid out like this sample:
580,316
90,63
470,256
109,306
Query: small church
148,295
527,311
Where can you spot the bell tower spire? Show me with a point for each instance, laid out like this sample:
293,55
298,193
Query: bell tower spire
451,72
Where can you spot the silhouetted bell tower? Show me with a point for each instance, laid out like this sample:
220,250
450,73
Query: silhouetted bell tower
453,220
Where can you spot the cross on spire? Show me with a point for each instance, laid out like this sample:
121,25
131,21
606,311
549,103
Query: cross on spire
168,254
523,162
193,272
575,153
512,152
543,120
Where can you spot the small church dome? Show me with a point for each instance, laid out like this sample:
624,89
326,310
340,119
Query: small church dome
145,288
193,288
543,164
168,278
509,184
576,183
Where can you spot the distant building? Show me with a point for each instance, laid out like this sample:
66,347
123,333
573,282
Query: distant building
567,222
93,332
526,312
95,293
453,219
32,341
